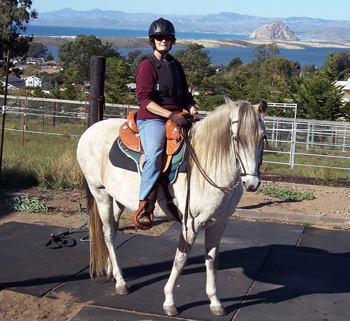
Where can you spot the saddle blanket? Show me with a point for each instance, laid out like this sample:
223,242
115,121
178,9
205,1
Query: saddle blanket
122,157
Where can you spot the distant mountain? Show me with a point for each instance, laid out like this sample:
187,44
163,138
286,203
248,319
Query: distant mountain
224,22
276,30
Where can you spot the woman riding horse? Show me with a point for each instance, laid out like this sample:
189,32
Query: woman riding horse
162,92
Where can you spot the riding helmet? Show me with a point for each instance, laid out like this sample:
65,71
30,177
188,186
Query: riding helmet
161,27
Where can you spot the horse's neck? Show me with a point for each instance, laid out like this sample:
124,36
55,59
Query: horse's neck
220,169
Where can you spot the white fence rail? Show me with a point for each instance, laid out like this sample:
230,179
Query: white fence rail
292,141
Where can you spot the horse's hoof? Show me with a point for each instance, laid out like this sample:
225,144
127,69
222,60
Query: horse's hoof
170,311
218,310
121,290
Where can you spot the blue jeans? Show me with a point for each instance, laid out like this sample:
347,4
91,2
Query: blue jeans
152,134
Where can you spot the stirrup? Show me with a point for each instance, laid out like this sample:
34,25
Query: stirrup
142,210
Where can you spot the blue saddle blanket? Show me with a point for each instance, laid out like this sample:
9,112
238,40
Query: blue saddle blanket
121,156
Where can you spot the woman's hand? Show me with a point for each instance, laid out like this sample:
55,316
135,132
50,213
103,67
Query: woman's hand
179,120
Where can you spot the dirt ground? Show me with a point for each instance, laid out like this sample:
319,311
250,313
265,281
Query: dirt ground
329,202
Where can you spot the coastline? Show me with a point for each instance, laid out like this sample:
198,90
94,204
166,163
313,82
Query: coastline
128,42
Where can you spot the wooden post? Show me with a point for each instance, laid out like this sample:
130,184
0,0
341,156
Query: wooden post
5,105
85,112
24,125
54,116
97,77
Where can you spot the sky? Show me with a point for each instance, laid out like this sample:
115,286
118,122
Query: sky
325,9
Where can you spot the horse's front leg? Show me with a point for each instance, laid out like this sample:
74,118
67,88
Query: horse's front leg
185,243
213,236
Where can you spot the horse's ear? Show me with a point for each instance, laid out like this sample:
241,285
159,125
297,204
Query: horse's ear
262,107
229,101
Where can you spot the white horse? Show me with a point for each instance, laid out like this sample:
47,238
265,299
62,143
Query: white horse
228,146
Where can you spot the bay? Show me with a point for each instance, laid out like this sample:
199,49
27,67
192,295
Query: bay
59,31
218,56
222,56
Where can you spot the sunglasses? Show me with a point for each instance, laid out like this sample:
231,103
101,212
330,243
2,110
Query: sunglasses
167,38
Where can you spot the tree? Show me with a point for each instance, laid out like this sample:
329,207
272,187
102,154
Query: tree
132,56
319,98
234,63
262,52
75,56
49,57
340,61
37,50
15,15
196,64
116,88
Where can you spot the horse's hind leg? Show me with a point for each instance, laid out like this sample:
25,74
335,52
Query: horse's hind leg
183,249
213,236
117,211
105,208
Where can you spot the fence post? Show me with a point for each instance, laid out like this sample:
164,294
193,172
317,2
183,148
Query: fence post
4,110
24,125
344,138
97,76
293,138
308,135
54,115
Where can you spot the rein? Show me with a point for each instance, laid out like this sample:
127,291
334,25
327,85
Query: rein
224,189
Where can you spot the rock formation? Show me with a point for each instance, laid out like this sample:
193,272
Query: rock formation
276,30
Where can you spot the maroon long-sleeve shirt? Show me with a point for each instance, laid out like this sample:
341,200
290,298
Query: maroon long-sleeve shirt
146,78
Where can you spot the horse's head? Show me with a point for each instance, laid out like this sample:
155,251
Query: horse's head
248,133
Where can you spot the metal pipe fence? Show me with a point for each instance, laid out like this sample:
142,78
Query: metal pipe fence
292,142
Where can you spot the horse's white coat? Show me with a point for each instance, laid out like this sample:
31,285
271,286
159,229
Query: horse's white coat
209,207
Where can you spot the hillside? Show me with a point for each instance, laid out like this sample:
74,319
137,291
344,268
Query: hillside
223,23
126,42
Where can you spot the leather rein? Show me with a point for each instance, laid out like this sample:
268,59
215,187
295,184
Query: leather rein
224,189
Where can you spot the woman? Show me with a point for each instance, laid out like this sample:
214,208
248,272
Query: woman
162,92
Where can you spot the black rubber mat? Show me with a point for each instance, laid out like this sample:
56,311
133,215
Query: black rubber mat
330,241
27,265
147,261
100,314
296,285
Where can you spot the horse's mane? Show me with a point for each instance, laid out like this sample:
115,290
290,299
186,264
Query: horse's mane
212,139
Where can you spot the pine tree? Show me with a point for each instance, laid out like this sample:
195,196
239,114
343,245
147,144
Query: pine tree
319,98
15,15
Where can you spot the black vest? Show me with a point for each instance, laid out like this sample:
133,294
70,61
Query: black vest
167,89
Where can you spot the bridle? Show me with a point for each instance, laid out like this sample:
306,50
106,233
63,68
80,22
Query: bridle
239,161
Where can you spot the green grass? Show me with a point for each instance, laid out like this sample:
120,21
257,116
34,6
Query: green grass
44,160
286,194
26,203
50,161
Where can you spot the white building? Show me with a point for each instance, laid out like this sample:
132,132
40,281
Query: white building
33,81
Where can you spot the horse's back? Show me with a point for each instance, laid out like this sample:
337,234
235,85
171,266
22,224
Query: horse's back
95,143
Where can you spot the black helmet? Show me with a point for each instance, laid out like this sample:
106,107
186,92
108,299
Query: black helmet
161,27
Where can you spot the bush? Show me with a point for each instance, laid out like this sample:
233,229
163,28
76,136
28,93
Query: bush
286,194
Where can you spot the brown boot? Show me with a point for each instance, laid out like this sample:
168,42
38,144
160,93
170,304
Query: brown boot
143,218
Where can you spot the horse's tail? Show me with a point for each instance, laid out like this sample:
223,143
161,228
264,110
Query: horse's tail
98,249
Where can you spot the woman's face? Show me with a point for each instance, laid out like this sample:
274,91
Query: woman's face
163,43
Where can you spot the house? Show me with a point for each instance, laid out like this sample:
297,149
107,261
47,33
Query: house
14,82
345,87
51,70
35,61
33,81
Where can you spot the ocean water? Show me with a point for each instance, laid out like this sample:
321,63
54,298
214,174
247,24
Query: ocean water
104,32
219,56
